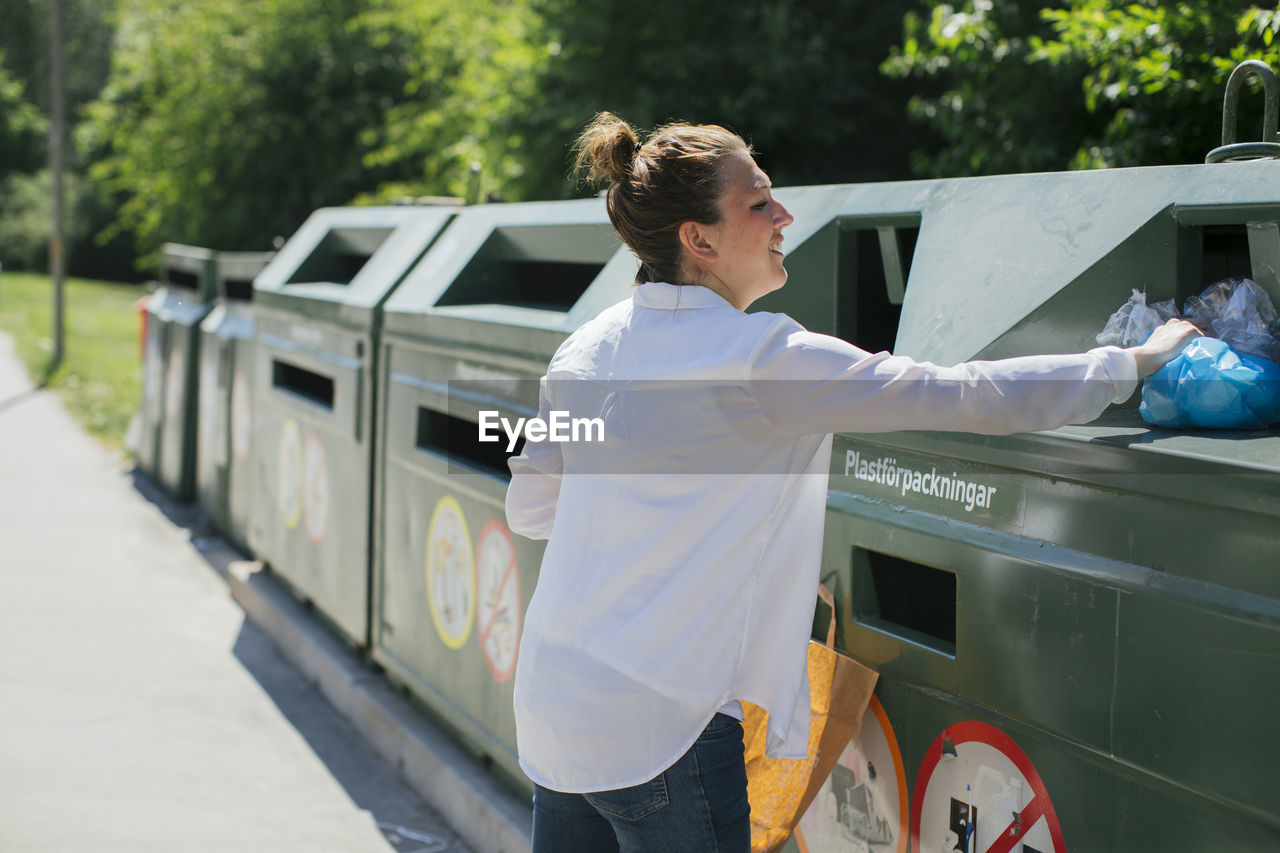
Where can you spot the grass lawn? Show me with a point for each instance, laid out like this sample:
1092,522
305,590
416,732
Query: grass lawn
100,380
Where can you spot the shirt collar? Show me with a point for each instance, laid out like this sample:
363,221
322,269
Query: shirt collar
659,294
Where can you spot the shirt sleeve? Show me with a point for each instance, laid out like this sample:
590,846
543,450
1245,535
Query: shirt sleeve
811,383
535,481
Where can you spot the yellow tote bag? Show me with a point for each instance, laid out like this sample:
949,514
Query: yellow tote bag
780,790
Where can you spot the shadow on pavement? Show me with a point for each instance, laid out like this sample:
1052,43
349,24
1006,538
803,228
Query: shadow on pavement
18,399
371,783
408,823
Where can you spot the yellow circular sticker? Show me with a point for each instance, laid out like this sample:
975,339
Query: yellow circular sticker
289,474
451,574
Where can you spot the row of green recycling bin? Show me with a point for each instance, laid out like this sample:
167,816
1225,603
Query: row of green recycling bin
193,325
1077,631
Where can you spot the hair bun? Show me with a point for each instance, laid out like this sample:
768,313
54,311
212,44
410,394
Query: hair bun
606,149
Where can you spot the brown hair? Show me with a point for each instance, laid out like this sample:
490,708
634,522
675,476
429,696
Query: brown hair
673,177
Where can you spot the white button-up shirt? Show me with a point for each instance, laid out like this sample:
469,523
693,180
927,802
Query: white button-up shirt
684,549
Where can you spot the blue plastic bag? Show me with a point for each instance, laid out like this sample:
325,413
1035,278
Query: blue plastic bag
1211,385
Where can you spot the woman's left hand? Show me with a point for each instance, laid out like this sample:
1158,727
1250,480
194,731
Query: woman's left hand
1164,345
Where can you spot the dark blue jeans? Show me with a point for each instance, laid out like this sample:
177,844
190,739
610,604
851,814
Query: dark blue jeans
698,805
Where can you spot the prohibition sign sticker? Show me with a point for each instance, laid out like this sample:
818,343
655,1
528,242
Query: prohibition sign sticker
315,487
498,579
863,803
289,474
241,417
987,799
451,573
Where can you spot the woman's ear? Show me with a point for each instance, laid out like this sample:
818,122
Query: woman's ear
697,240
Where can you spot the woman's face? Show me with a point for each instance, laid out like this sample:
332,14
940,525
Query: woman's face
747,242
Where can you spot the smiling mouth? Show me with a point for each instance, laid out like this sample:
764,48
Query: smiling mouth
776,248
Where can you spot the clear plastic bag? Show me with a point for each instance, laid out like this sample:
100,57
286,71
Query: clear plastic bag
1134,322
1239,312
1228,381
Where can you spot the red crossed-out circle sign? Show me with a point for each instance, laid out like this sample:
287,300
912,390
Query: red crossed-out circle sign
982,796
498,582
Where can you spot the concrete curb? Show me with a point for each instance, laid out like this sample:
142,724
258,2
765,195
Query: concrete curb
487,816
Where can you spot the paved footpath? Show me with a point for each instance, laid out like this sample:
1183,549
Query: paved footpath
139,710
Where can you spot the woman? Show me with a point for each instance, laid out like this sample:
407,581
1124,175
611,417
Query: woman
683,550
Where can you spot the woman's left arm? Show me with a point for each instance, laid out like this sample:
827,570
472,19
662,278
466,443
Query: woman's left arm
811,383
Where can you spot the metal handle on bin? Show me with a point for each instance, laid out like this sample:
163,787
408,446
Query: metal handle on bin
1269,147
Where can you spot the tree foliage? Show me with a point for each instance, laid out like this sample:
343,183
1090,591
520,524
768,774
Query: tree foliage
226,124
22,127
223,125
798,77
468,69
1086,84
26,217
86,47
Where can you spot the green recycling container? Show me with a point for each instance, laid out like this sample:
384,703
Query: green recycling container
170,365
1077,631
317,309
225,409
473,328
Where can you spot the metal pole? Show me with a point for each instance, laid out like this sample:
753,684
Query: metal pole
56,251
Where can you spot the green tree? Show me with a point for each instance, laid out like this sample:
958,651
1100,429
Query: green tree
1157,71
25,203
86,46
22,128
1013,87
225,125
26,211
798,77
468,69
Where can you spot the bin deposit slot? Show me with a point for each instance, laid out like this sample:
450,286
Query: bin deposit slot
181,278
458,440
875,263
551,285
239,289
1210,253
339,257
314,387
908,599
534,266
1225,254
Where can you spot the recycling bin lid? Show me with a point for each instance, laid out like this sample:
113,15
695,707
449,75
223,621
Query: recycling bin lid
1026,264
236,272
189,271
343,262
548,265
1031,264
